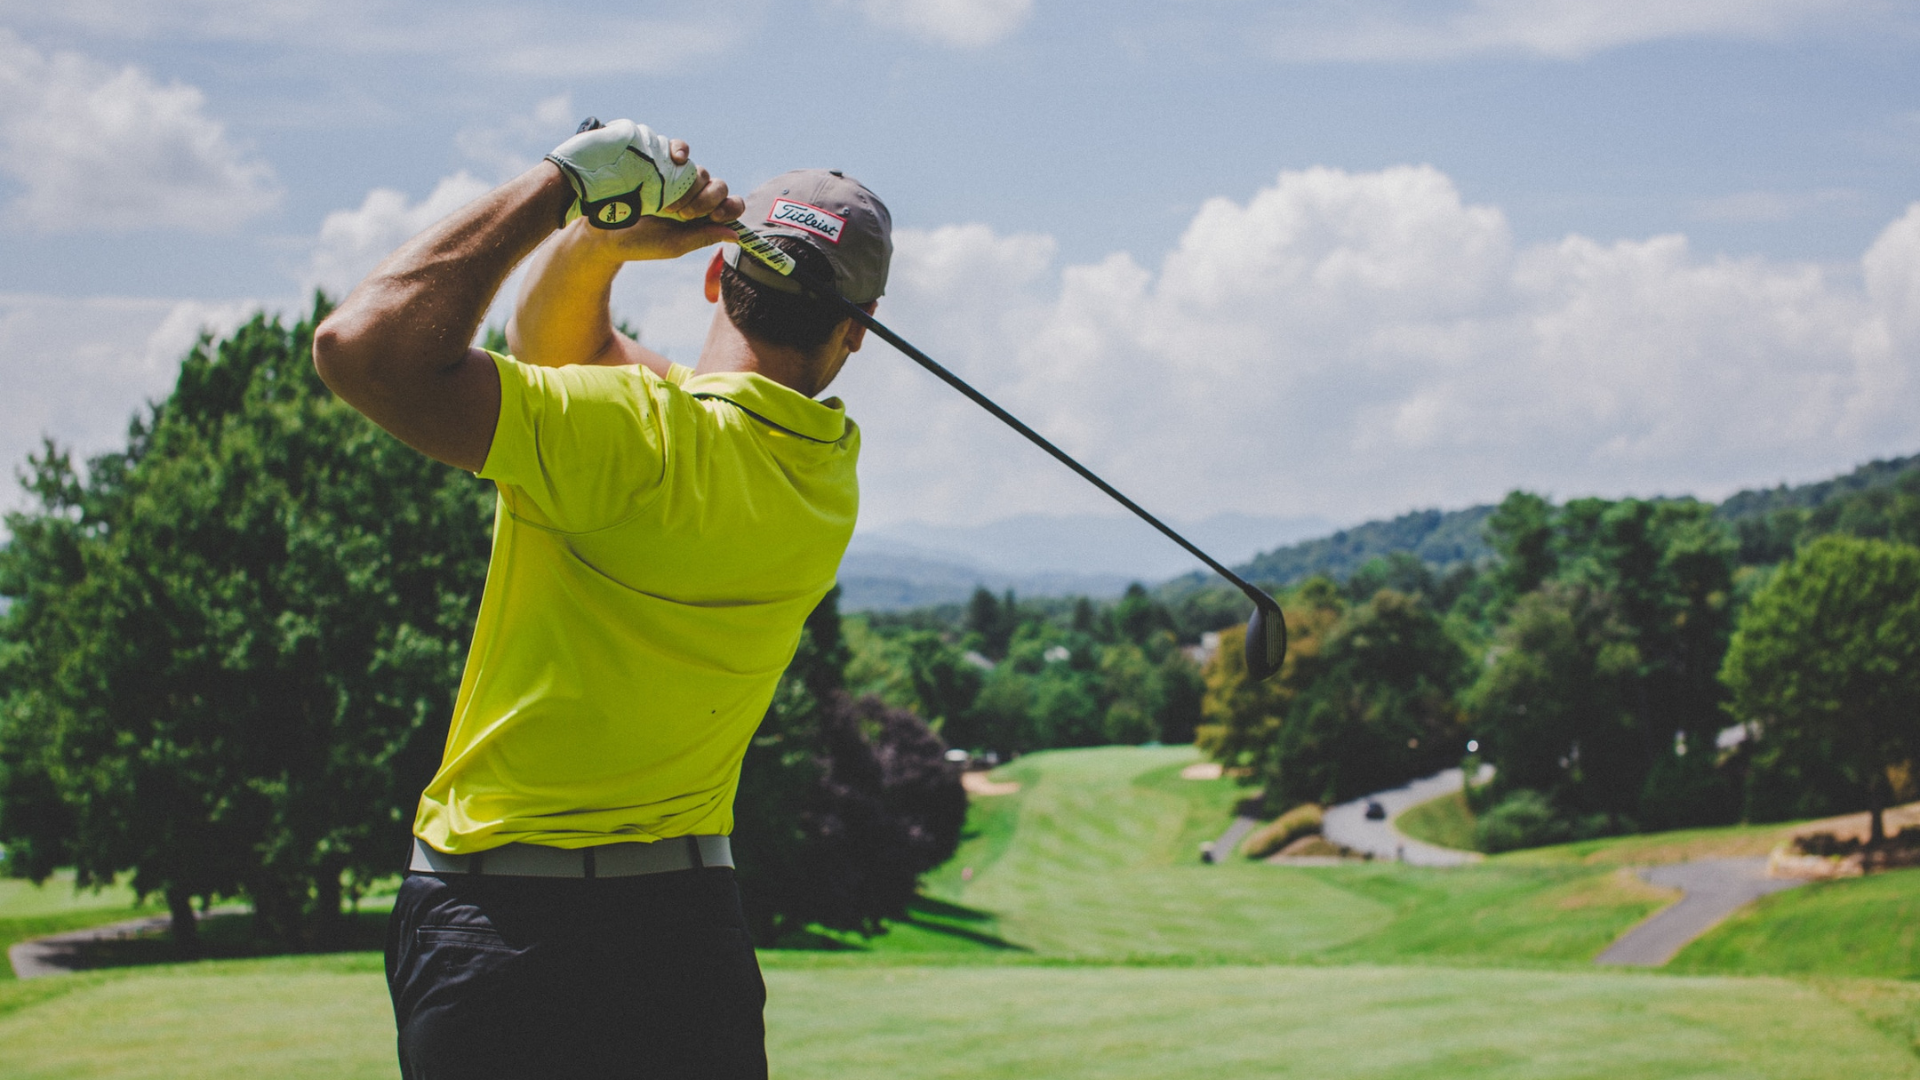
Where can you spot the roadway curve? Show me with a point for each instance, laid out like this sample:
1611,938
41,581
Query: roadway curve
1347,824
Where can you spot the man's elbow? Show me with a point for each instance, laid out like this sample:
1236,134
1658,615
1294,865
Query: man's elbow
339,356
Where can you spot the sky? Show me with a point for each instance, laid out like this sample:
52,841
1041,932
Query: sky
1297,259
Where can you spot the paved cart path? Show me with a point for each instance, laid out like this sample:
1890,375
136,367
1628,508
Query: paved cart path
62,954
1229,843
1713,890
1347,824
65,953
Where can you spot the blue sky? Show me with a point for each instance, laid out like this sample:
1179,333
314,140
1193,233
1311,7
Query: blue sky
1296,259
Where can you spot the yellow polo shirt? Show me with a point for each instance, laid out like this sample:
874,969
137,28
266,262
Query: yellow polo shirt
656,546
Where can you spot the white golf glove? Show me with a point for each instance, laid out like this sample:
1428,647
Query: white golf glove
620,171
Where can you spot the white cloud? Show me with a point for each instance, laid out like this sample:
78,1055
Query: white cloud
1356,344
1341,345
78,369
1560,29
962,23
352,242
93,148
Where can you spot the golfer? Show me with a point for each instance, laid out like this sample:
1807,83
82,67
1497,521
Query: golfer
660,535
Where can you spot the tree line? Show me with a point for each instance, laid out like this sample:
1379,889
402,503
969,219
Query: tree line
1625,665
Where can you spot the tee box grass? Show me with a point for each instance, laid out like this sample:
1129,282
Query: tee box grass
316,1017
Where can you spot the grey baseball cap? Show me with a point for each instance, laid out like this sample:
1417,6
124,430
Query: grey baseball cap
833,213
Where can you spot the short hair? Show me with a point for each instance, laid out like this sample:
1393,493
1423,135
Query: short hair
781,318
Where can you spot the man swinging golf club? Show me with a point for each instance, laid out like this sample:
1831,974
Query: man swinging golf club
661,534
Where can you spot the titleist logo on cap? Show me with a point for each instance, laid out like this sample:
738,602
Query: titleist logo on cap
807,218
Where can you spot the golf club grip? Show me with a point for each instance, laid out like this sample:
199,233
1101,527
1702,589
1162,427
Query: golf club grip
756,245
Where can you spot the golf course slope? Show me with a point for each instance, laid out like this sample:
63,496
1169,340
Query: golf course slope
1077,935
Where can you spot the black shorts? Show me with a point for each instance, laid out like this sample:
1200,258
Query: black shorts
509,977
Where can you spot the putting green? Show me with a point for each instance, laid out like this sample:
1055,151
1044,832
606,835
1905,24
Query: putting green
327,1017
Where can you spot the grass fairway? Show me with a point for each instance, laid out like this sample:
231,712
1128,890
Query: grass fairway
1096,858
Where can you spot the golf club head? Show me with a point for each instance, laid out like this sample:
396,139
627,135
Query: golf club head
1266,640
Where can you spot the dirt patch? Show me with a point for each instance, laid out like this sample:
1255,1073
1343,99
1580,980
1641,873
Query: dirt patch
1213,770
1823,855
1857,826
979,783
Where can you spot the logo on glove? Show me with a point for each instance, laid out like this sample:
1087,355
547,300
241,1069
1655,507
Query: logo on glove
614,213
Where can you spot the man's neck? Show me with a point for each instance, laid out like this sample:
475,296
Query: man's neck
727,349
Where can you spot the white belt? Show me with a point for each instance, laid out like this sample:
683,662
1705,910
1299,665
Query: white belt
625,859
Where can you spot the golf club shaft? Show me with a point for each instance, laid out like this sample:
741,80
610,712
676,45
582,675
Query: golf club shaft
754,244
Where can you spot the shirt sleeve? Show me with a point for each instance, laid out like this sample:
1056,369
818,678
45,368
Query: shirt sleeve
576,448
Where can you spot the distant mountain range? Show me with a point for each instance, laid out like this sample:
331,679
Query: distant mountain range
1762,501
913,565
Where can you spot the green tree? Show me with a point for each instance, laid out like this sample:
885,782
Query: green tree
1379,710
1241,718
1601,692
1182,688
233,646
1826,663
1130,683
843,803
1521,531
991,622
1551,710
1137,616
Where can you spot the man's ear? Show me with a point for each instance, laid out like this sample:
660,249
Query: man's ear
713,278
857,333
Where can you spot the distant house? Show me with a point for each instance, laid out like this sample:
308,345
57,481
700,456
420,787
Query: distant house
1202,654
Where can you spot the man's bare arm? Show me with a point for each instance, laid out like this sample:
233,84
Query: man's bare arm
563,314
399,347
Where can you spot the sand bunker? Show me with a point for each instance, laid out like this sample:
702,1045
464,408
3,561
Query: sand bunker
978,783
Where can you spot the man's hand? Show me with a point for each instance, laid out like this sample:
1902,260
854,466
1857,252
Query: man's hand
624,171
562,315
694,222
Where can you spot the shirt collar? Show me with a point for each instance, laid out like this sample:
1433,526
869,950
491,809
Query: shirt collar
773,403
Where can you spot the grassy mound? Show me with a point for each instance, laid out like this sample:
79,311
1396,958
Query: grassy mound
1855,926
1446,822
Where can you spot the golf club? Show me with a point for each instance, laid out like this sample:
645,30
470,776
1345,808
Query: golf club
1266,628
